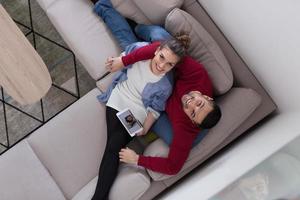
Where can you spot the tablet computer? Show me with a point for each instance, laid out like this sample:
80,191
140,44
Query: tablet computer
131,124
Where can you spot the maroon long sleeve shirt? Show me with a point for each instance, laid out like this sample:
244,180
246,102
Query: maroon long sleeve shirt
189,76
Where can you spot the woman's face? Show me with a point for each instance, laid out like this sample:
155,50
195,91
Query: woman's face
163,61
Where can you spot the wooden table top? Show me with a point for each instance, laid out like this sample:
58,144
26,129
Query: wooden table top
23,74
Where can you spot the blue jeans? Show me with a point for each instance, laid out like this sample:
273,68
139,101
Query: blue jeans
121,29
151,33
128,42
115,22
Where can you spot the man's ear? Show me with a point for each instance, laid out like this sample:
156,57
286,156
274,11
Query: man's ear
208,98
196,91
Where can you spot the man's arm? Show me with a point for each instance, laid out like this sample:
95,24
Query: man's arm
143,53
114,64
178,153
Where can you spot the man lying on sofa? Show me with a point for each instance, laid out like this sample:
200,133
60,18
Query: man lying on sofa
189,108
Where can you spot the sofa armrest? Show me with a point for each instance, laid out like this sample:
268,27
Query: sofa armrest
104,83
236,105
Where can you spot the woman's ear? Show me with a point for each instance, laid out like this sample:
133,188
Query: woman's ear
157,50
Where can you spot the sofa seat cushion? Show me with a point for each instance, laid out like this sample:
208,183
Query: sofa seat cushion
71,145
203,48
130,184
23,176
87,192
234,113
88,37
145,11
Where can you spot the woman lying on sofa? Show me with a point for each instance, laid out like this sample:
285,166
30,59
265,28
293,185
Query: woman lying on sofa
196,106
143,88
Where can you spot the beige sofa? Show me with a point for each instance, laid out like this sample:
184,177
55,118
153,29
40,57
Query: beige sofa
61,159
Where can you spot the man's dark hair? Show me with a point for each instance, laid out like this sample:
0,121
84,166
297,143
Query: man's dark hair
211,118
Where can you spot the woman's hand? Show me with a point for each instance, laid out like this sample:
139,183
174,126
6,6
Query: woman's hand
142,132
114,64
149,121
128,156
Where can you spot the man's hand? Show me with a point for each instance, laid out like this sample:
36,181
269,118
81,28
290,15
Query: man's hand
128,156
114,64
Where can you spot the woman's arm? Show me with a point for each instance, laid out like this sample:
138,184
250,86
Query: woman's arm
149,121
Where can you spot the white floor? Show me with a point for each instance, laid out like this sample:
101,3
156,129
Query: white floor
239,160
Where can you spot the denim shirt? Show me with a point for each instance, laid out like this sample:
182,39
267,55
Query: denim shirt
154,95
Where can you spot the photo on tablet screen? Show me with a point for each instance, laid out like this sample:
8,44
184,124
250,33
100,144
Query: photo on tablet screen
131,124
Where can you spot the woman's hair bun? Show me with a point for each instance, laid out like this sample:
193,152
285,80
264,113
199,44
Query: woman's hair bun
184,38
178,44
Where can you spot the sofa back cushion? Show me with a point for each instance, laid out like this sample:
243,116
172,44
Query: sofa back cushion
84,33
145,11
203,48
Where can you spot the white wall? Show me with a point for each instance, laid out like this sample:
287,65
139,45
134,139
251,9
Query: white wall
266,35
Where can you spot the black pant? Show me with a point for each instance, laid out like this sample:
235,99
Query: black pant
117,138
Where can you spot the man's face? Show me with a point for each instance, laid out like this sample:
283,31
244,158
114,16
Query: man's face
196,106
163,61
